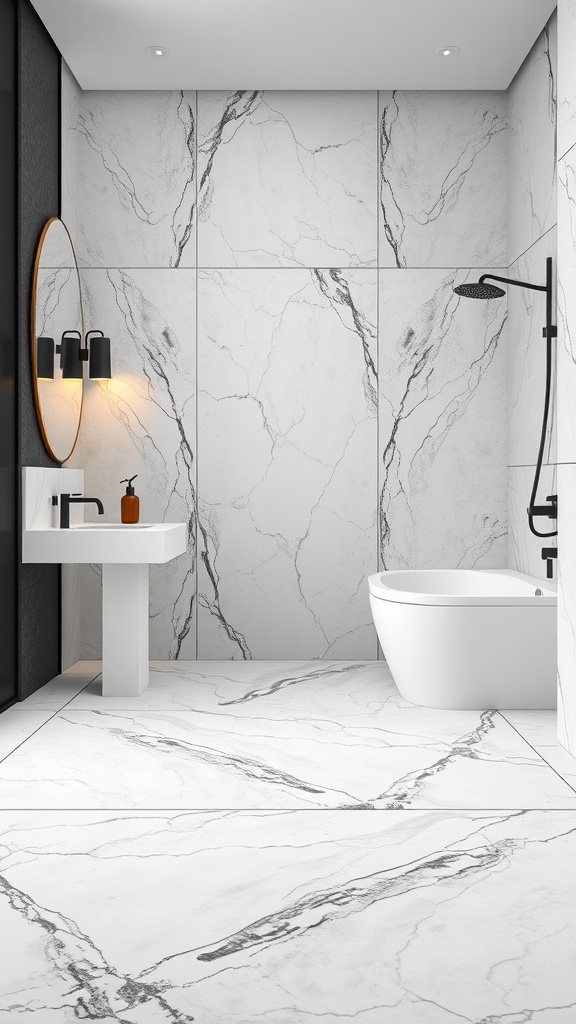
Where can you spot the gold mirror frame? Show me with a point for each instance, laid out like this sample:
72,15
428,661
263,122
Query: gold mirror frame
60,458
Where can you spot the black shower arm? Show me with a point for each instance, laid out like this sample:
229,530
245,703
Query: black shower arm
510,280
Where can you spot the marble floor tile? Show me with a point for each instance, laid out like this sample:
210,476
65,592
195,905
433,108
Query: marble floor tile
16,726
288,736
397,918
60,690
540,729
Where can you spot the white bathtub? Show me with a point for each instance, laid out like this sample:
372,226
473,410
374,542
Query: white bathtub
459,638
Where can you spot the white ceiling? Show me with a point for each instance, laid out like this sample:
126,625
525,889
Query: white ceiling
294,44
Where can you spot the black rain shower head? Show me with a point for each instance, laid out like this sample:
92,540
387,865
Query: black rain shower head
479,290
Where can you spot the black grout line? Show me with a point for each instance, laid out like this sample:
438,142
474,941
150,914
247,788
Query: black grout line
537,752
39,711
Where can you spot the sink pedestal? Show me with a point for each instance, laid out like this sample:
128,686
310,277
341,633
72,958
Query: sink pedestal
125,646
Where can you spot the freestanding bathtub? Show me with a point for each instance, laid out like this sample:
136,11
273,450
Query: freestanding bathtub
460,638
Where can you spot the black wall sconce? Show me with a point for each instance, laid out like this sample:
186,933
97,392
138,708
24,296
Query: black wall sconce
72,356
98,350
45,358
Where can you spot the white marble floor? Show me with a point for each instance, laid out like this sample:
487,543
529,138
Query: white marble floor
282,842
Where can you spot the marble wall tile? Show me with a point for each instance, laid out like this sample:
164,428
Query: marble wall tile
287,179
566,381
70,105
442,415
566,75
288,917
527,358
287,463
143,421
532,145
129,185
39,486
442,179
524,549
567,608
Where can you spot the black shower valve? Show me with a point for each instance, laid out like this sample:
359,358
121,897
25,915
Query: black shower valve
550,511
548,555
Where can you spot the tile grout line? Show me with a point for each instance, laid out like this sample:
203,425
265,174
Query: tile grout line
286,810
57,712
538,754
532,244
301,267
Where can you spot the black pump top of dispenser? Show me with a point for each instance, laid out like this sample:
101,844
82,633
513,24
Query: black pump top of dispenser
129,489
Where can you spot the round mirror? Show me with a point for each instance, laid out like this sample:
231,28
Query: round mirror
56,315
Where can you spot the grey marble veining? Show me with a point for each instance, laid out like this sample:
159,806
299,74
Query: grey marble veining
276,736
442,159
289,917
566,75
286,179
148,409
540,730
287,480
532,145
566,378
442,424
129,185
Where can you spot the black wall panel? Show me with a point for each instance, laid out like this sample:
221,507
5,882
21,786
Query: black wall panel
39,199
8,350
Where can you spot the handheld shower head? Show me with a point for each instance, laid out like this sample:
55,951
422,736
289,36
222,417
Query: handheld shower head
479,290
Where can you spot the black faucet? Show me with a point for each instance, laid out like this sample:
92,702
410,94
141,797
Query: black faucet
548,554
67,499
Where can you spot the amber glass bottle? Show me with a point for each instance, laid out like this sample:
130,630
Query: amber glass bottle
130,504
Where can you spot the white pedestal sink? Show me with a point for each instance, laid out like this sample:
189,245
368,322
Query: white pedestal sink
125,553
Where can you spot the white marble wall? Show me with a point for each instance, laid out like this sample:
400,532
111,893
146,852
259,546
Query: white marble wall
567,373
291,363
531,239
443,179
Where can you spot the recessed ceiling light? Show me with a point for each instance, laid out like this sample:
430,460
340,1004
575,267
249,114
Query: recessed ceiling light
448,51
157,51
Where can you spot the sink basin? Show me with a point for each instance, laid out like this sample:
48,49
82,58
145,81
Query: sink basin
112,526
106,543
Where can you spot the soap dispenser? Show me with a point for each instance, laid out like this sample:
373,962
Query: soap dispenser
130,504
